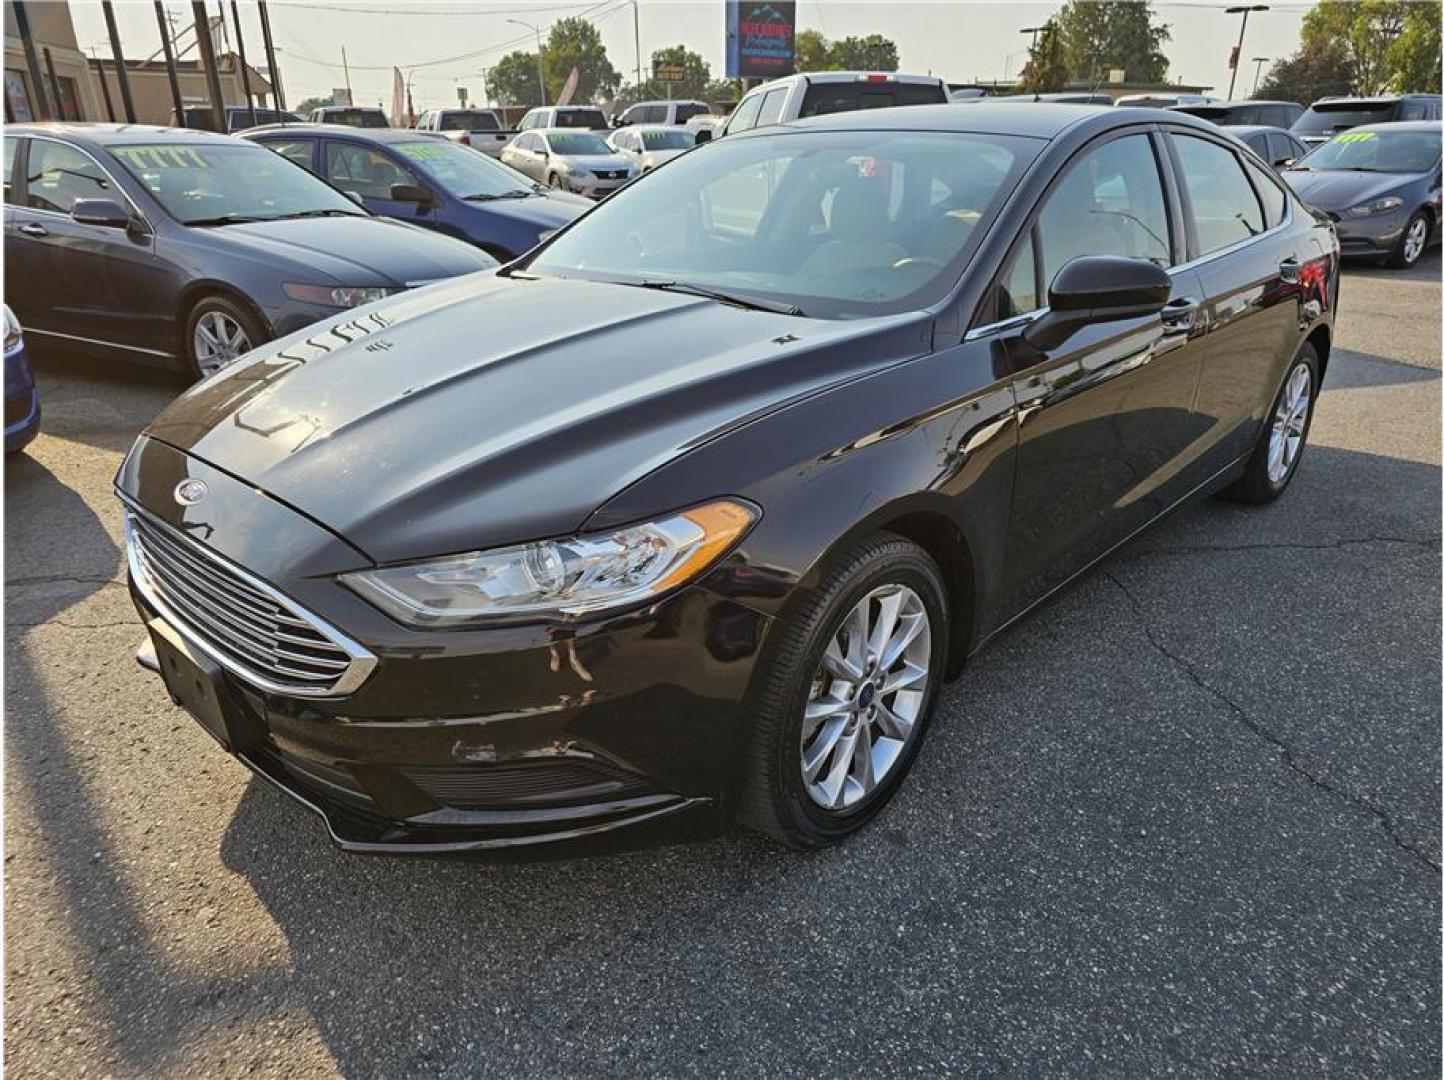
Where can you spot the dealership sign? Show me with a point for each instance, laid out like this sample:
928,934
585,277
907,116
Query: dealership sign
761,38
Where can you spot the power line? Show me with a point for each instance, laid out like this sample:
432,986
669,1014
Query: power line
408,11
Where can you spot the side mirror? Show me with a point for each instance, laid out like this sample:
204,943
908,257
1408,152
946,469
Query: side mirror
703,135
410,193
1098,288
1284,163
106,212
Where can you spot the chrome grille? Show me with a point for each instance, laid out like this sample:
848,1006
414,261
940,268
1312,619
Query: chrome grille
247,626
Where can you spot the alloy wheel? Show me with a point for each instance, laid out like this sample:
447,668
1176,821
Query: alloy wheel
218,339
1414,240
1291,416
866,697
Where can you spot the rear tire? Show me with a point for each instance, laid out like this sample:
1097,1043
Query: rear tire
885,726
218,331
1285,432
555,182
1412,242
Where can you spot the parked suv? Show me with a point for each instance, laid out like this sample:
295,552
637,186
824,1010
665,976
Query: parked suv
798,96
476,128
238,118
365,116
1279,114
1329,116
673,113
564,116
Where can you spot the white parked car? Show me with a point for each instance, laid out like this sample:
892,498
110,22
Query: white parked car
648,145
477,128
564,116
672,113
569,160
816,93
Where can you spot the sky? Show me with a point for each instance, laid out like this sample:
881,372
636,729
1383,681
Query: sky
962,41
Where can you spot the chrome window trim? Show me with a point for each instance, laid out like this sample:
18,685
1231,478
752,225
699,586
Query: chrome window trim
1012,322
98,341
120,190
363,661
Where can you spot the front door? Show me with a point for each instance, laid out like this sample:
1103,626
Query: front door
369,172
1106,420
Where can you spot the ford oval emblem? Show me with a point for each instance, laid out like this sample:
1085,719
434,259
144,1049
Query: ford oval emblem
190,492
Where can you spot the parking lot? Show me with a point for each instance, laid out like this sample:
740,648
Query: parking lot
1186,818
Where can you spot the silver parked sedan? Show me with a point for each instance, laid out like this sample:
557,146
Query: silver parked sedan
648,145
569,160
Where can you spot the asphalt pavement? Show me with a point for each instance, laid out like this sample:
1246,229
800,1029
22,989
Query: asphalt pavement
1185,818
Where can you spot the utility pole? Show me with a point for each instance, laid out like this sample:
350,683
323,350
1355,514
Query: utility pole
1238,49
541,77
162,18
104,87
208,62
272,71
32,62
119,56
347,69
1260,61
241,57
637,38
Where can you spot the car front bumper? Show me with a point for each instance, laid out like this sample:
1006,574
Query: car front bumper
466,740
1375,235
22,402
593,188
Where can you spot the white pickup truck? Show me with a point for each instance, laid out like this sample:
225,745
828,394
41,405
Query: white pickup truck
476,128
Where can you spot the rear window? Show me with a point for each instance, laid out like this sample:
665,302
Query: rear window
469,121
1329,116
823,98
686,112
360,118
581,118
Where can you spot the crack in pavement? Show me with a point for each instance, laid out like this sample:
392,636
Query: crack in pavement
1285,751
31,623
49,579
1430,544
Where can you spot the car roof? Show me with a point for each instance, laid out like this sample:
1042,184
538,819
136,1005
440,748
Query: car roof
666,101
348,108
1254,129
648,127
1397,125
1041,120
1378,99
377,135
571,130
119,134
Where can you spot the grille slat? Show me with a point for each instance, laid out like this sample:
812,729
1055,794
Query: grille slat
259,635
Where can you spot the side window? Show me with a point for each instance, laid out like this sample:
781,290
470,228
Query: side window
654,114
57,176
1224,207
361,170
1110,202
771,110
524,142
1018,287
301,151
11,147
746,114
1412,110
1269,193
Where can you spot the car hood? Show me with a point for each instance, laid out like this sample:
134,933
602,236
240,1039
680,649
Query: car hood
595,161
356,250
652,158
1339,190
492,410
550,211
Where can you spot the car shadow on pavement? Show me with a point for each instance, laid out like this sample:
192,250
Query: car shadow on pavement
1426,269
1108,787
95,402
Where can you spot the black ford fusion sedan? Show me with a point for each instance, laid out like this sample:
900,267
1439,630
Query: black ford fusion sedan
186,248
749,460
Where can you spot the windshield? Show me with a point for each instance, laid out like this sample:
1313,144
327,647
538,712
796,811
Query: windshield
469,121
581,118
842,224
668,140
240,119
463,172
1325,118
1376,151
229,181
569,142
362,118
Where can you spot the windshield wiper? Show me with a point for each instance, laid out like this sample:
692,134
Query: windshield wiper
316,213
776,307
487,196
226,219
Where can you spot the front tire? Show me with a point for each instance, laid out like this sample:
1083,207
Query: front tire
1275,458
846,694
555,182
1412,242
218,331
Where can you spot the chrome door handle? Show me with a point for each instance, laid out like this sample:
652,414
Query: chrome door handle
30,228
1289,271
1179,315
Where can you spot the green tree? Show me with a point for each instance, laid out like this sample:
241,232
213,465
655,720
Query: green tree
1046,72
1317,70
513,80
1414,55
1097,36
810,51
694,85
575,43
871,53
313,103
1366,28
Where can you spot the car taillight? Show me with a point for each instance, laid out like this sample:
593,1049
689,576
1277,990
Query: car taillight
465,139
877,78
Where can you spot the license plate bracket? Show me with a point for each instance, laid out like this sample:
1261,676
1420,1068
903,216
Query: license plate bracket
195,682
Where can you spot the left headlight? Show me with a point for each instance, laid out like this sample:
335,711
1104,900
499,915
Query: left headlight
558,578
1377,206
344,296
13,336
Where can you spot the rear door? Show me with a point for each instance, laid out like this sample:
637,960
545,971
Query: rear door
1107,431
300,149
1237,219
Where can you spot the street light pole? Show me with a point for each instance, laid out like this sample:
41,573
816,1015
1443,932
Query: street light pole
1032,49
637,38
541,77
1238,49
1259,62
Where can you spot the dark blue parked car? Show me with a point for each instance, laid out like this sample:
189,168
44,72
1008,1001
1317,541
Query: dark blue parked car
22,403
427,181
